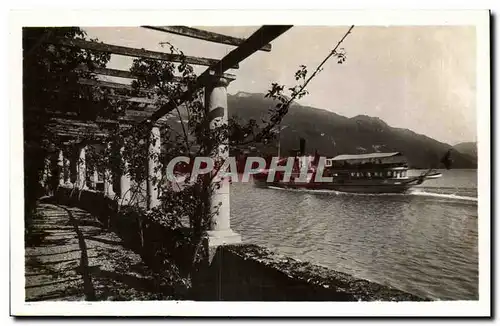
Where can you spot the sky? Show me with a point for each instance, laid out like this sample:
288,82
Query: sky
418,77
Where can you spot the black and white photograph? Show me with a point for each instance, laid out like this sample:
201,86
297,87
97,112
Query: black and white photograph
320,160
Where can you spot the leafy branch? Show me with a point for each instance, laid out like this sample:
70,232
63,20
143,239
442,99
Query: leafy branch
297,92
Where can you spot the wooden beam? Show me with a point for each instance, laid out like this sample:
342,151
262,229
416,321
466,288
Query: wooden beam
80,137
262,36
135,99
132,52
77,132
116,73
77,128
127,74
204,35
143,100
113,72
121,86
68,126
102,83
115,85
133,116
75,123
147,109
137,113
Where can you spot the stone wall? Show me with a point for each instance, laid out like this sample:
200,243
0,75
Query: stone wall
155,242
253,273
94,202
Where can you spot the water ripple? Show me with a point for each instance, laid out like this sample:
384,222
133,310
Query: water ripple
424,242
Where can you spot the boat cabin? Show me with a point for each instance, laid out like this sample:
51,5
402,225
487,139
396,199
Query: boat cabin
368,166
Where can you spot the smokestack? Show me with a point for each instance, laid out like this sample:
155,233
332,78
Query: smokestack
302,149
447,160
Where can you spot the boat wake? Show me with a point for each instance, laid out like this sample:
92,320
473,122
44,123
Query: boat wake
316,191
438,195
410,193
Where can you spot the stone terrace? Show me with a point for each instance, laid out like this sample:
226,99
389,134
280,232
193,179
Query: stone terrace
69,256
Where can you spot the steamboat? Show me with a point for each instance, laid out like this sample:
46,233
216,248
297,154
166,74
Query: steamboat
373,173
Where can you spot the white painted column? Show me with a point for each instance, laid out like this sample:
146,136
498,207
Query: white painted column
60,167
67,169
108,183
125,183
95,178
216,106
46,177
154,167
108,180
81,180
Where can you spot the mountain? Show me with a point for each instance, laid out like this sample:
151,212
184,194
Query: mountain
467,148
332,134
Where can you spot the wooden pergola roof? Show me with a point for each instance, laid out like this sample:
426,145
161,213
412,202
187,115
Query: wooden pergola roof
146,112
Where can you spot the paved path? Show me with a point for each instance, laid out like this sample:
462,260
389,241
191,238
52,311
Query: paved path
70,257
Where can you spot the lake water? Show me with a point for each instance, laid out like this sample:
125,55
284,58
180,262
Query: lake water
424,242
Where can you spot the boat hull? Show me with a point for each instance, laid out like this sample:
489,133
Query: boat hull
365,187
371,189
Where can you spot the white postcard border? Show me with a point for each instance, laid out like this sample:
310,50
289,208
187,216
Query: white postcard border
240,18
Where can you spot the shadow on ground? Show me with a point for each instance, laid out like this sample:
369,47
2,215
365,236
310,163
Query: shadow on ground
70,256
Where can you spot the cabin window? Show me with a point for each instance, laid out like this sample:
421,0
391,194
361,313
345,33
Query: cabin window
389,173
328,163
352,174
369,174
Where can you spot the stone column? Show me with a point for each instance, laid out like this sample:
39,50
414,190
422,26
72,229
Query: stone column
46,177
60,167
108,180
81,180
154,167
108,183
216,106
125,183
66,167
95,178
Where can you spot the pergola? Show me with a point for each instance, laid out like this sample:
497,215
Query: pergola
214,80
